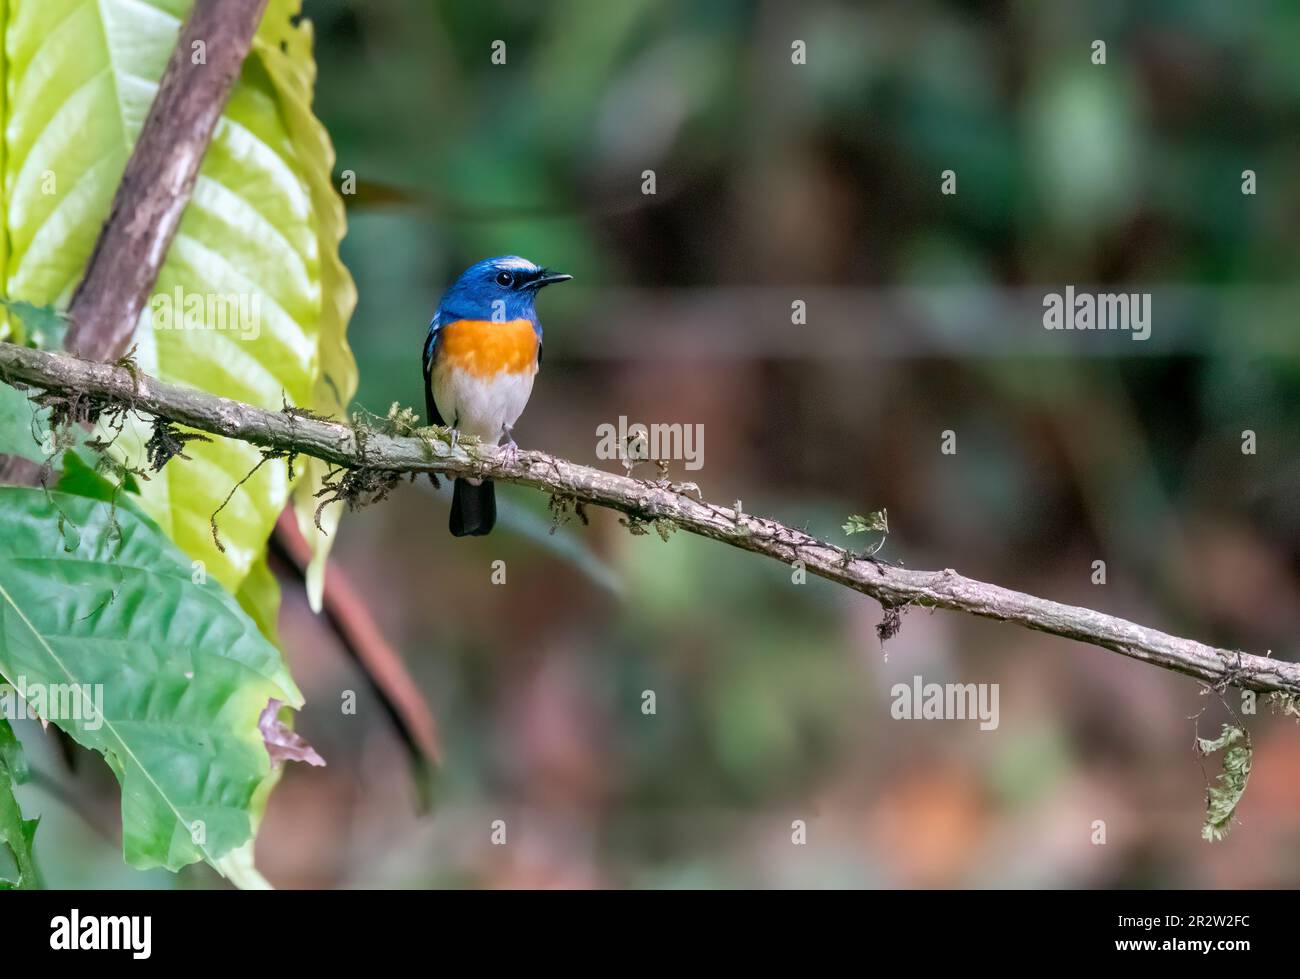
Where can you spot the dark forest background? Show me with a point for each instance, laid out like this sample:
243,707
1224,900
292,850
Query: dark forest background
817,182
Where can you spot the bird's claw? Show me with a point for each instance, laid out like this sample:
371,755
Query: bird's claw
508,453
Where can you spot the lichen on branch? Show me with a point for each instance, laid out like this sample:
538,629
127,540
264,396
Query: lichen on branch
371,459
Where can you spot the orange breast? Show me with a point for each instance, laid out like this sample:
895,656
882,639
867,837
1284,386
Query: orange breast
484,348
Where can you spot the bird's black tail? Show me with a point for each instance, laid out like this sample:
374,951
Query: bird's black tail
473,508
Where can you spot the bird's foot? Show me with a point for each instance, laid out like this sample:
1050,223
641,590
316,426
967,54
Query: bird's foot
509,453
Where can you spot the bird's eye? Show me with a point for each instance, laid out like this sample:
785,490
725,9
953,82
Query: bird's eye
505,279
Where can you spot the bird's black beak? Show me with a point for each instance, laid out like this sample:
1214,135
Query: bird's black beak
547,278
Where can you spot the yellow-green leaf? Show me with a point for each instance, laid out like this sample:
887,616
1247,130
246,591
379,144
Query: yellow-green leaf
294,71
258,244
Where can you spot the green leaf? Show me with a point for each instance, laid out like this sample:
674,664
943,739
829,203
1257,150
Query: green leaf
260,234
1223,797
877,520
259,596
43,326
15,832
79,478
11,752
164,676
287,53
22,425
25,428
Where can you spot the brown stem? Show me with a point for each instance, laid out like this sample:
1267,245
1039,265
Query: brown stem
155,187
160,176
349,616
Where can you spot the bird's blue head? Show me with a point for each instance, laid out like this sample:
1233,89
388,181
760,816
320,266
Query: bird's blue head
502,288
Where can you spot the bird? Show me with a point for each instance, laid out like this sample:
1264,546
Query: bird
483,350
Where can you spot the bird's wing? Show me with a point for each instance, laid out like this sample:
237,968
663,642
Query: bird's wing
430,406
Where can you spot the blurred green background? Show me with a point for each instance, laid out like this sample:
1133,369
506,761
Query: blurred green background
776,182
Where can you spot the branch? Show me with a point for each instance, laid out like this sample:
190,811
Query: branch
160,176
152,195
374,456
352,621
150,200
155,188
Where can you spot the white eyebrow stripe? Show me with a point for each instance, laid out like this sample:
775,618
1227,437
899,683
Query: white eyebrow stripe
515,262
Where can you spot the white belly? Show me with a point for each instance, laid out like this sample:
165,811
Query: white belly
478,405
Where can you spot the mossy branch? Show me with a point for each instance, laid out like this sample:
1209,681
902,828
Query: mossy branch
388,452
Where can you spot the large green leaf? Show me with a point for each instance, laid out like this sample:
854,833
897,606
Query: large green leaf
109,608
15,832
263,227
